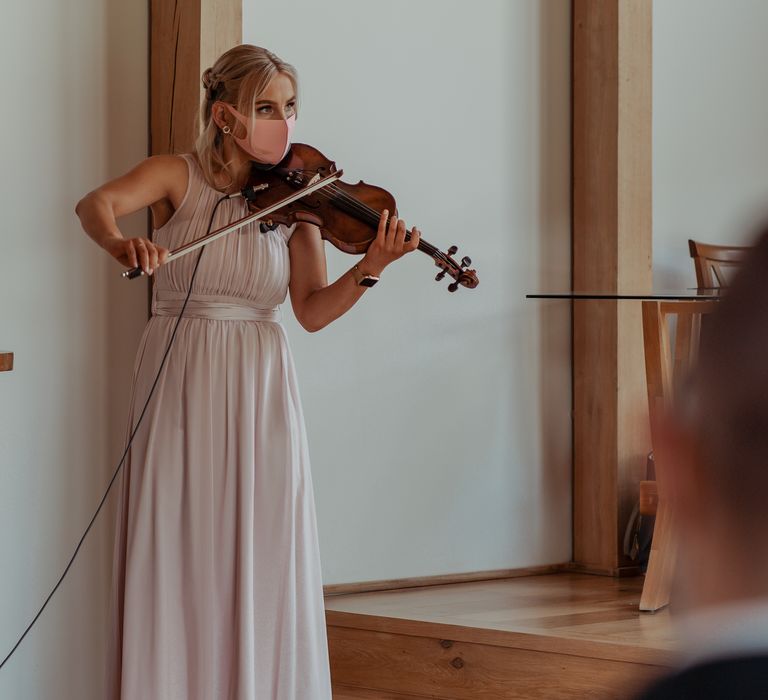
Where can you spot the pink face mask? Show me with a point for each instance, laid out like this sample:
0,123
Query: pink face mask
266,140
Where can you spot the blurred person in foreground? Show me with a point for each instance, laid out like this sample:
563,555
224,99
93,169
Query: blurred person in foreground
715,445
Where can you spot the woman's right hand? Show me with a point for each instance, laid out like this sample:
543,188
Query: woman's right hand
137,252
155,179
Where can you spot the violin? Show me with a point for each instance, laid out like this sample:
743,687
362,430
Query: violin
347,215
306,187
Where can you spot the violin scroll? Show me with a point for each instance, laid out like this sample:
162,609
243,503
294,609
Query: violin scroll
462,276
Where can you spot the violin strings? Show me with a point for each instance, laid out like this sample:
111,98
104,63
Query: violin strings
370,215
336,195
355,204
374,215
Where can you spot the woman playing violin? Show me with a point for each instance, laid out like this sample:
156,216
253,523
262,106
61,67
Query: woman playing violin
217,585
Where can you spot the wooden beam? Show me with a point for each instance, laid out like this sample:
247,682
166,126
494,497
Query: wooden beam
6,361
612,205
186,37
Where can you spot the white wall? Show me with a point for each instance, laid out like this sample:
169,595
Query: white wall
710,128
75,114
461,459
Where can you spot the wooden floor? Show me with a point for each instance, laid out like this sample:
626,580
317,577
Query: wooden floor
562,635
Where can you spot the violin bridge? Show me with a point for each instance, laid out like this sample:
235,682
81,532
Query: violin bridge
296,177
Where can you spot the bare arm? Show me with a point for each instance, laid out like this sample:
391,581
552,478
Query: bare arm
154,179
317,303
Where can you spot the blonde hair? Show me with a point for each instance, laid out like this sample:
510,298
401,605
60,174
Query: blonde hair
238,77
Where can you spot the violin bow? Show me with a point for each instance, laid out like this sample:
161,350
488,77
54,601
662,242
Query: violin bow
229,228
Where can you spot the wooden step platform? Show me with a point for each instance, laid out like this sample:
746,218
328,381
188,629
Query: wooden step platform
563,635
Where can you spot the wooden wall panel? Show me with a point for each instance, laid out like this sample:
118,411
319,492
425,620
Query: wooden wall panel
612,206
431,667
186,36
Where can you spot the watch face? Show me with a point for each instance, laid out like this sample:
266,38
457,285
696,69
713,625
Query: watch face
368,281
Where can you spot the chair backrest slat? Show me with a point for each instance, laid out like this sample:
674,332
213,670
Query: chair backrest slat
714,262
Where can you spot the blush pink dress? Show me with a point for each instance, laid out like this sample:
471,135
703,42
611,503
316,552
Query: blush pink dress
217,586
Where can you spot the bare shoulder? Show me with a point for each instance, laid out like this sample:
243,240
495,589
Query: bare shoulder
169,174
158,182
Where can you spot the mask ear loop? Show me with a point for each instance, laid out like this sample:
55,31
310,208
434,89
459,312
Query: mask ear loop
236,114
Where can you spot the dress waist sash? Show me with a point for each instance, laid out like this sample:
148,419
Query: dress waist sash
213,307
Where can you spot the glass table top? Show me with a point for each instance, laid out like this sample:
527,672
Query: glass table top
692,294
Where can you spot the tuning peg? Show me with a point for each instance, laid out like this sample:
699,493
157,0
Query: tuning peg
466,261
440,276
453,286
452,249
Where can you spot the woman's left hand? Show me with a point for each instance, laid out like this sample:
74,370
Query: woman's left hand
389,244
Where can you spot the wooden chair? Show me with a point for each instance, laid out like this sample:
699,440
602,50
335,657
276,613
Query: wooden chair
714,262
671,332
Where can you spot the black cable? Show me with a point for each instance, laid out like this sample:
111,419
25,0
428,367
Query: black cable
130,439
